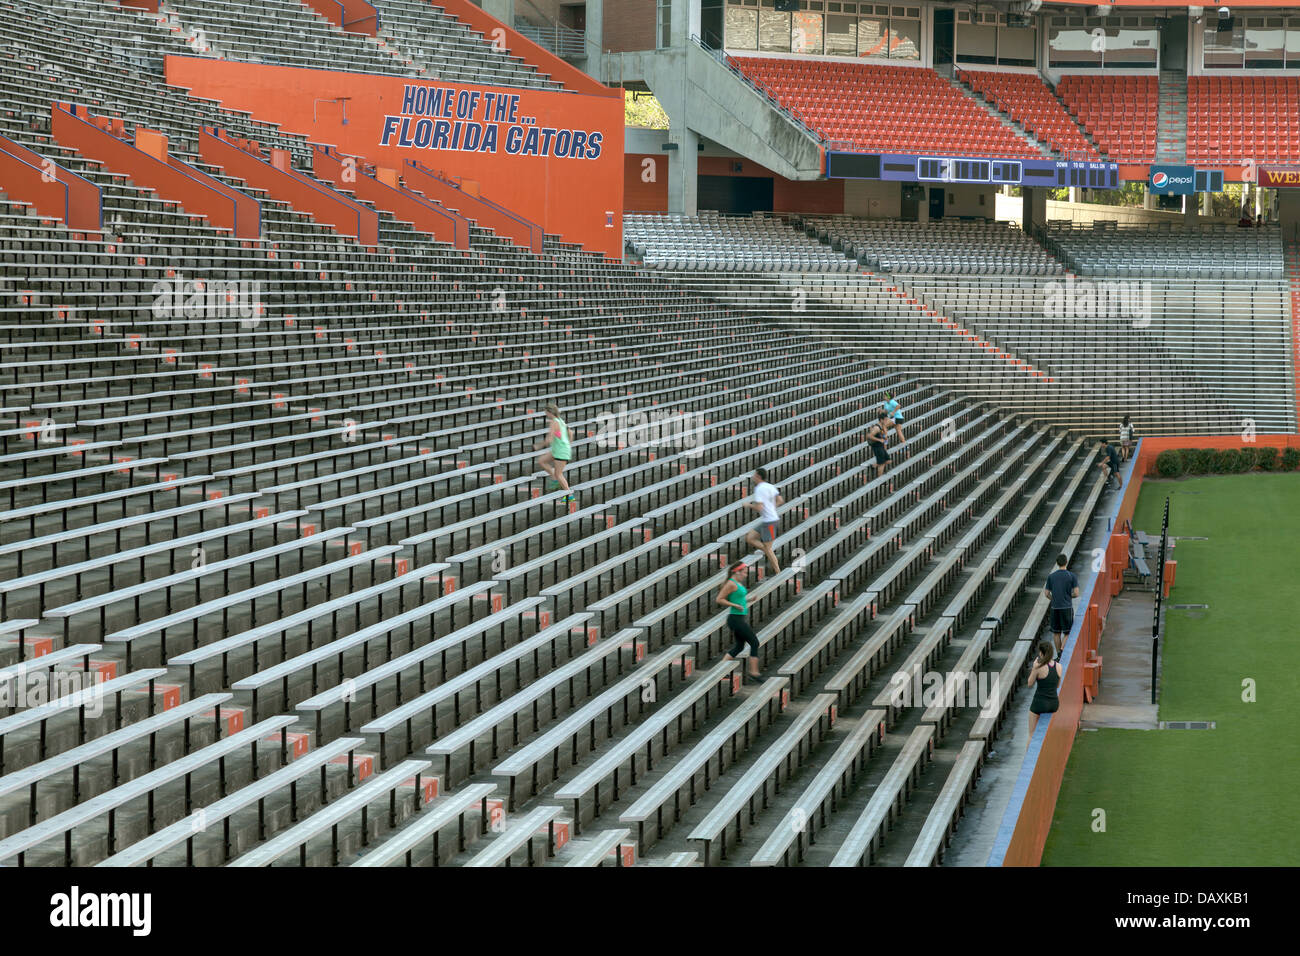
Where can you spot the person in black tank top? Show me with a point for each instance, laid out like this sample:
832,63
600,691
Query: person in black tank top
1045,679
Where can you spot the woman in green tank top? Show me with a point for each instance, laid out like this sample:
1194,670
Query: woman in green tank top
559,452
735,595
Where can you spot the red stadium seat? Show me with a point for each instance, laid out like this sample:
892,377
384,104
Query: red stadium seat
888,108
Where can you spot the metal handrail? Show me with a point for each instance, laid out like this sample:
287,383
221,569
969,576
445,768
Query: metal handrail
762,90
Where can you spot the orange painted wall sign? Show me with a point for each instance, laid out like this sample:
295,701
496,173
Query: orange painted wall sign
553,157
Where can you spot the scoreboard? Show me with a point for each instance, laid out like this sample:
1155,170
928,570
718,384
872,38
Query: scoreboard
911,168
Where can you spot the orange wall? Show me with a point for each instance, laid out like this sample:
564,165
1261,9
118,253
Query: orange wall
1151,447
640,196
196,191
24,175
569,197
825,197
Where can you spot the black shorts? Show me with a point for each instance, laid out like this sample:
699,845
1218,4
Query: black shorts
882,454
1039,706
1062,620
743,634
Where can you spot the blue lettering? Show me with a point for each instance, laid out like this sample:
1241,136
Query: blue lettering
390,127
441,129
423,131
514,139
593,145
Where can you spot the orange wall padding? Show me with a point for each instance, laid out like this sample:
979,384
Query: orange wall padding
197,192
578,199
440,223
67,196
326,206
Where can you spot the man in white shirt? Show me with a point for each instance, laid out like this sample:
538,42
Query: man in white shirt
767,497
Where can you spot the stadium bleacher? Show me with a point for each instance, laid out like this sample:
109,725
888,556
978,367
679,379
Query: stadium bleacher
1120,113
1240,118
307,600
1026,98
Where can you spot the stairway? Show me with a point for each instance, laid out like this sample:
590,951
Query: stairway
998,115
1171,132
1069,111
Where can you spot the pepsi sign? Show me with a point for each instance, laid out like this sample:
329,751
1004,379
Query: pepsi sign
1172,180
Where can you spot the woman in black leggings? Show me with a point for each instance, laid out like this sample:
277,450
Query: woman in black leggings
733,594
1044,678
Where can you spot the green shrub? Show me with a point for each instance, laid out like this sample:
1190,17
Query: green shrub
1169,463
1290,459
1196,460
1230,461
1249,458
1267,459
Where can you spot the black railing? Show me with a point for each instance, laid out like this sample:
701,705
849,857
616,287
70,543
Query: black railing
1159,602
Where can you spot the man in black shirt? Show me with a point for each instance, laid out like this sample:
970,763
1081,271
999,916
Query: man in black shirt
1110,464
1062,588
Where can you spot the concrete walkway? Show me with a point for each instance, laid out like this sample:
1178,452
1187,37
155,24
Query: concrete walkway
1125,697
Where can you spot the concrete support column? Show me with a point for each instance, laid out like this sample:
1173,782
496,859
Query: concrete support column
1288,212
503,10
1033,213
686,21
683,172
1207,204
595,35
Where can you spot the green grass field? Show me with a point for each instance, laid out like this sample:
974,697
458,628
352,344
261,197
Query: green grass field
1219,797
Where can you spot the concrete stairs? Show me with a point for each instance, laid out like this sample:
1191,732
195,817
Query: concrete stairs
1000,116
1171,131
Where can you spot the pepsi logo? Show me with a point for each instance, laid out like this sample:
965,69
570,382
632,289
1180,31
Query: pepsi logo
1160,179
